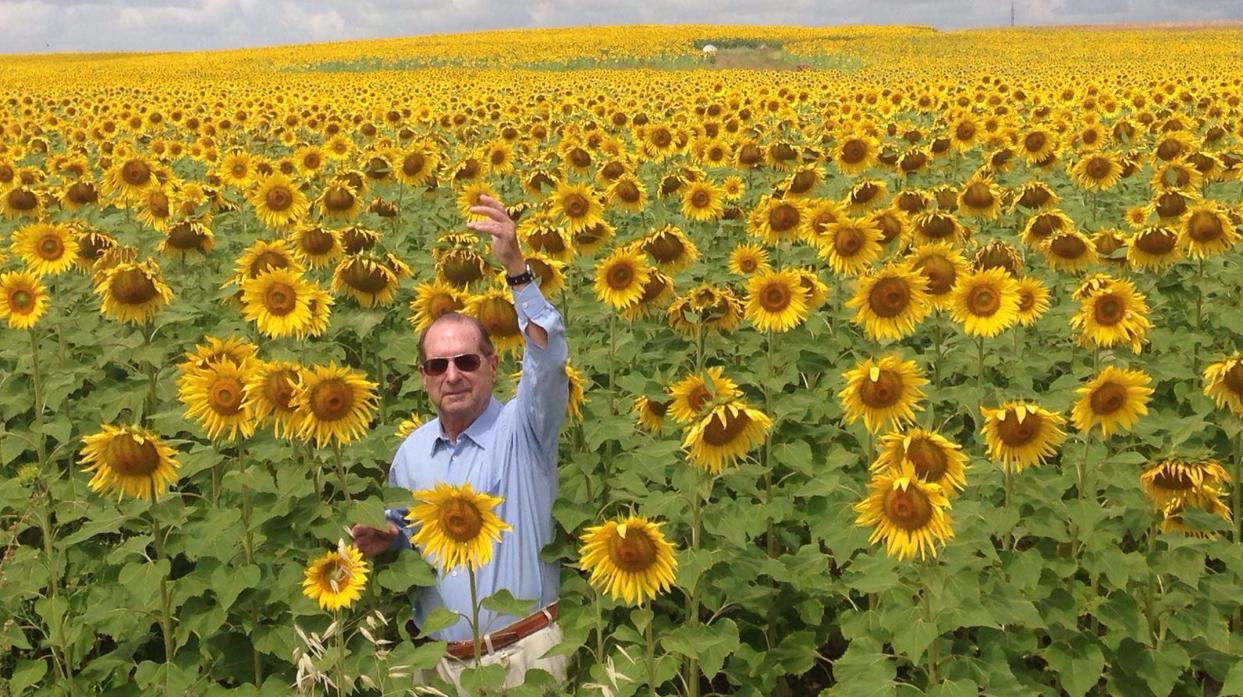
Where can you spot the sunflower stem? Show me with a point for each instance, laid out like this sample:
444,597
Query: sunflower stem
599,631
933,651
339,640
60,654
692,601
1236,493
166,613
650,646
979,365
345,485
474,615
1150,591
37,378
1195,351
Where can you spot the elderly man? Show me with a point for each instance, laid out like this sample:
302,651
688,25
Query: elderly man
508,450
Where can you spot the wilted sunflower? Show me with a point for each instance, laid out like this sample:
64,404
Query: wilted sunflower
1172,514
1207,231
431,300
620,277
338,202
456,526
319,246
629,559
45,248
985,302
934,458
1035,196
776,301
334,404
937,226
91,245
23,299
1033,301
850,246
1020,434
128,461
1115,313
1114,400
908,514
1070,251
891,302
725,434
1044,225
650,413
336,579
185,238
747,258
494,308
941,266
1154,248
1223,381
131,293
365,278
269,391
215,397
884,392
1195,482
656,291
691,394
670,248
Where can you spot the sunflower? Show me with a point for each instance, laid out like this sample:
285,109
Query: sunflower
456,526
776,220
319,246
460,267
576,206
670,248
1035,196
1155,247
1110,245
1114,400
494,308
627,193
469,197
590,239
733,187
934,457
278,202
980,198
725,434
334,404
1033,301
417,164
336,579
937,226
45,248
154,208
215,397
629,559
431,300
702,202
264,255
1037,146
985,302
269,390
747,258
855,153
237,169
409,424
23,299
776,301
850,246
1191,482
1020,434
1070,251
1115,313
706,307
309,160
365,278
1207,231
185,238
650,413
866,195
78,194
1096,171
129,461
941,265
1223,381
816,290
691,394
320,305
656,291
129,177
620,277
1211,500
889,303
237,351
549,274
338,202
131,293
883,392
908,514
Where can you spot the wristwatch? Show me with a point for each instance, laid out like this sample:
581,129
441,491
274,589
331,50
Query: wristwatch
520,279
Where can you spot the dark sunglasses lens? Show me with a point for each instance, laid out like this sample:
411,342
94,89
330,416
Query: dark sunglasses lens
435,366
467,363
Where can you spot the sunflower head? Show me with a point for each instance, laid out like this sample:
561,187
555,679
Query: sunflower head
1020,434
456,526
629,559
336,579
882,392
23,299
128,461
906,513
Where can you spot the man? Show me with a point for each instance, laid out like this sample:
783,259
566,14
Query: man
506,450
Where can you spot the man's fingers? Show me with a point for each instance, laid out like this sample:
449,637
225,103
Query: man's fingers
494,213
491,227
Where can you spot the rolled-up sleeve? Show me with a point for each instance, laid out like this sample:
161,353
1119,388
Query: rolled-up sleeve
544,388
397,516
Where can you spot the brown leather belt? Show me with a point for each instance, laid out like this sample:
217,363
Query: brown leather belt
501,638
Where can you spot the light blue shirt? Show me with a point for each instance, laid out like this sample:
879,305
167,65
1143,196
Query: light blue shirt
509,451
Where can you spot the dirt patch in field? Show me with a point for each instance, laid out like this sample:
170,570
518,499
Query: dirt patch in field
751,58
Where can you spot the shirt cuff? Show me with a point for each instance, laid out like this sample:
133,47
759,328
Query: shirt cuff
531,305
397,516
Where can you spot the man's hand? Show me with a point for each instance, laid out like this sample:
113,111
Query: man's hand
498,225
372,541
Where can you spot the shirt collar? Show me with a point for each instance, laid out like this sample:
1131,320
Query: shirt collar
476,430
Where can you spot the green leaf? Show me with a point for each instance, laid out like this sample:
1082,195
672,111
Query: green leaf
1078,664
913,638
406,655
27,674
505,603
407,571
141,580
871,573
954,688
229,582
1161,669
711,644
477,680
438,619
1233,684
864,670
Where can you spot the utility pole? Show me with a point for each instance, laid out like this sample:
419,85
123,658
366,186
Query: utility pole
1012,13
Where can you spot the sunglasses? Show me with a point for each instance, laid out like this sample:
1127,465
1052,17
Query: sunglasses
466,363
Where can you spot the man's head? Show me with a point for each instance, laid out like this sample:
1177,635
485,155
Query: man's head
460,394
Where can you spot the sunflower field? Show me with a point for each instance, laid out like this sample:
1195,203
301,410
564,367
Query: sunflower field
913,368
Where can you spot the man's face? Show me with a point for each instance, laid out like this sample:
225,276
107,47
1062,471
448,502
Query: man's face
456,394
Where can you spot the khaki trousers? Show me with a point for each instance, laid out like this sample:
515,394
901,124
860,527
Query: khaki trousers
524,654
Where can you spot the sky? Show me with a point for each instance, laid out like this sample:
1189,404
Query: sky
42,26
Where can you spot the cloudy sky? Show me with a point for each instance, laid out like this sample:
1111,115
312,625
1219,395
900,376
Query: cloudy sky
158,25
